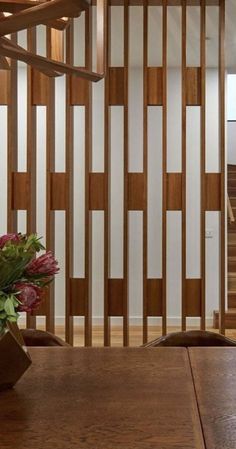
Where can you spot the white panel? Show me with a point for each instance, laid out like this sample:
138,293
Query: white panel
136,90
98,127
212,121
193,36
41,40
98,263
231,97
79,192
41,171
117,192
22,120
60,124
174,36
212,262
3,169
154,36
135,263
79,41
174,268
231,142
193,200
22,221
154,192
212,36
174,121
60,256
117,36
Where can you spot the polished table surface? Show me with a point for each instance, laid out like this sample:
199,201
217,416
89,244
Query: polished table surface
106,398
214,372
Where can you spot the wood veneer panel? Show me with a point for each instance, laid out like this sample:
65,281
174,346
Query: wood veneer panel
78,296
58,191
154,297
193,86
40,88
213,187
174,191
116,297
57,45
193,297
143,188
96,191
79,89
4,87
160,2
116,86
136,191
155,86
20,191
184,148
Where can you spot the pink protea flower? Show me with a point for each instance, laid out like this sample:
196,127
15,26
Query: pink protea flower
44,265
7,238
29,295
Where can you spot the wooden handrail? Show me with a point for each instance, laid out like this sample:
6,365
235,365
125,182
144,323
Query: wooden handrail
230,211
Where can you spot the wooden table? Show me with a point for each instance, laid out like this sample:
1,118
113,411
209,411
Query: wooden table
132,398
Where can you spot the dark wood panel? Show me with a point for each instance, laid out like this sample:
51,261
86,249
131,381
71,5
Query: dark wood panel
213,197
193,297
154,86
96,191
215,384
40,88
20,191
98,398
116,297
174,191
79,89
136,191
58,191
154,297
193,86
116,86
78,296
161,2
4,85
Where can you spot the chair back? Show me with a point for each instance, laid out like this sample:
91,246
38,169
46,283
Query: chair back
192,338
33,337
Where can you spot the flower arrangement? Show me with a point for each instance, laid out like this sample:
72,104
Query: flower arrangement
23,277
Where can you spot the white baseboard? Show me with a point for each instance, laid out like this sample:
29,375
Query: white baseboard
133,321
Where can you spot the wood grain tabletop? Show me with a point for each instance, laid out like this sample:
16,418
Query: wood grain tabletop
214,371
106,398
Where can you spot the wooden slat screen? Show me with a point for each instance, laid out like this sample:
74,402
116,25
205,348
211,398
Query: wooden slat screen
60,191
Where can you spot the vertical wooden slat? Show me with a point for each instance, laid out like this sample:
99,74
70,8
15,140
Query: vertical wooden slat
126,168
12,140
70,172
145,158
203,163
88,148
164,166
222,159
183,164
31,152
107,320
50,167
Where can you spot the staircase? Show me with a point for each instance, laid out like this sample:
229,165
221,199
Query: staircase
230,317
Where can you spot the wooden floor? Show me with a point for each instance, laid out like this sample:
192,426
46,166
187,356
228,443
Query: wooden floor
116,336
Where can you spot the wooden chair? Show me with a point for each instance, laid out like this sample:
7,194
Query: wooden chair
33,337
192,338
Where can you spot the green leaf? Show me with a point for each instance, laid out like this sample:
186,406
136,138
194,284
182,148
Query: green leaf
2,304
9,307
12,319
3,315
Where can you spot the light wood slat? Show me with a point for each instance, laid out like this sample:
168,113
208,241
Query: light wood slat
74,288
183,165
31,153
88,167
20,191
107,321
138,181
222,160
193,86
203,163
174,191
57,45
102,36
50,168
4,91
126,169
164,171
59,191
212,192
12,149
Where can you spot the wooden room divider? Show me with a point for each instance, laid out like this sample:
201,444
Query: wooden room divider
60,190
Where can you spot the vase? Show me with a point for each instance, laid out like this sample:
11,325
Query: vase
14,358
